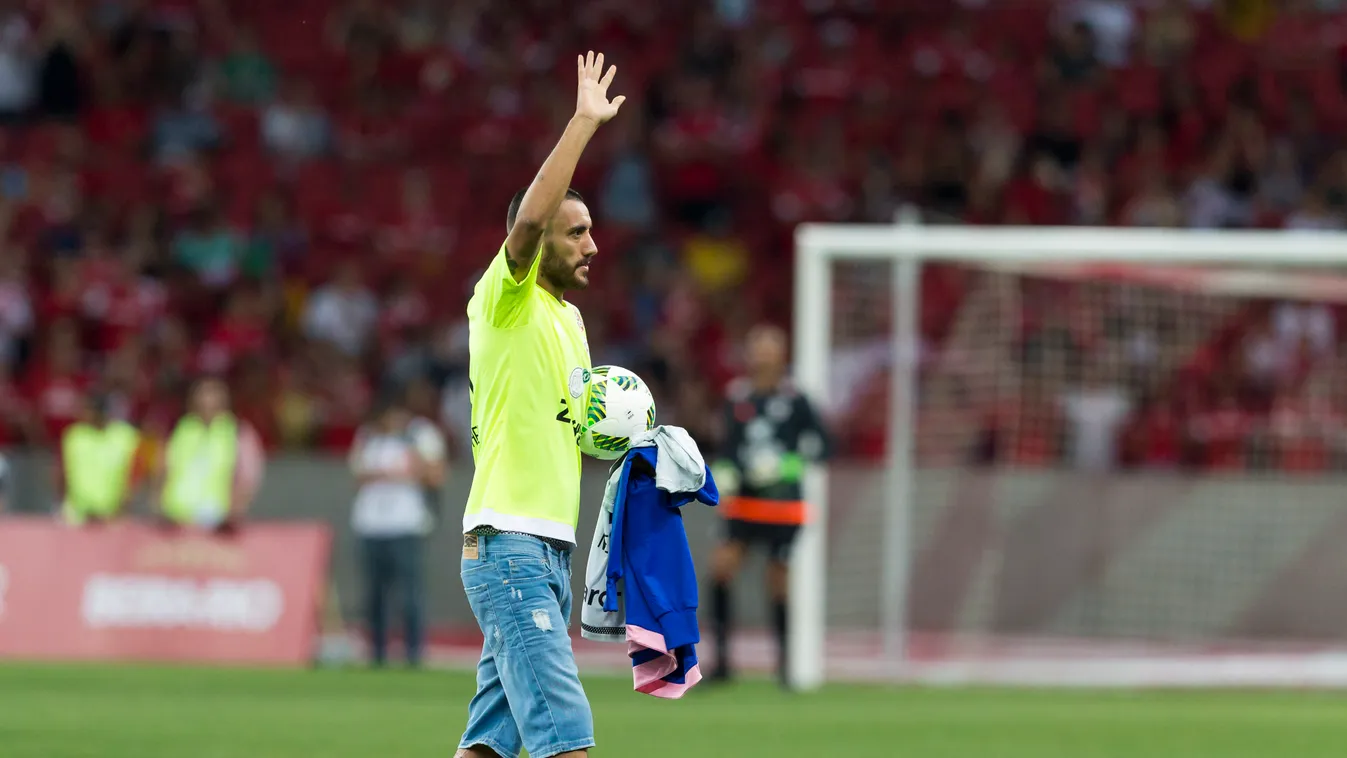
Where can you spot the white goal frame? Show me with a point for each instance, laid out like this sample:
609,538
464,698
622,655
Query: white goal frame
818,246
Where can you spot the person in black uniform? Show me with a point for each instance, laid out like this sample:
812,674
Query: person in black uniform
770,431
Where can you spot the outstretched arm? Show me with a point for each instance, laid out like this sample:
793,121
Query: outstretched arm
544,195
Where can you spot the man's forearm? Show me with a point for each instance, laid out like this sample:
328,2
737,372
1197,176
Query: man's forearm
431,473
547,191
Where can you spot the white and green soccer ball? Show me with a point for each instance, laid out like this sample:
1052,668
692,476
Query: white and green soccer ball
619,406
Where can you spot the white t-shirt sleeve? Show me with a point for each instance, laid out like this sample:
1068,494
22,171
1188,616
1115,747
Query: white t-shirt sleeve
317,315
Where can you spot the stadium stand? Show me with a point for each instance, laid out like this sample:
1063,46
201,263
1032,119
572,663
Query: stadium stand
299,194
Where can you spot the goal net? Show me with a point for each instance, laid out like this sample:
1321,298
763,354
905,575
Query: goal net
1074,456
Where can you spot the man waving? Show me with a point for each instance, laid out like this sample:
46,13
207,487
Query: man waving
529,366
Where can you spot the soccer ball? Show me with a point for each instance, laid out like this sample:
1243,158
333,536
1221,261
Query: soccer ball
619,406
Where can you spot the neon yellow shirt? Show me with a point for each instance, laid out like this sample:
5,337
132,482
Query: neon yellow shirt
98,466
528,375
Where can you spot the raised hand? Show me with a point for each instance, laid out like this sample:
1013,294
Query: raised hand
591,97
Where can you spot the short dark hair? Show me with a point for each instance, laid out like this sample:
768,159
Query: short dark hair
518,200
390,398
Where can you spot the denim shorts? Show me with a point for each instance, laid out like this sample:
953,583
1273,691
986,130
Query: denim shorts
528,686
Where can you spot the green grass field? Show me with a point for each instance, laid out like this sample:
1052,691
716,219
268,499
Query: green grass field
137,712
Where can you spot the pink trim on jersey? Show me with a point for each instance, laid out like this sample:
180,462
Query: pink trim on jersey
651,673
646,639
673,690
649,676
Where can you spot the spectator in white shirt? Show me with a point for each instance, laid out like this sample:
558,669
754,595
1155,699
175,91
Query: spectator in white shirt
1314,215
399,463
1095,413
17,65
1208,202
343,312
1310,324
1113,23
294,126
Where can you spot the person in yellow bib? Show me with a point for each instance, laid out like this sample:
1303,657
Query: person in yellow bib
527,375
212,464
96,468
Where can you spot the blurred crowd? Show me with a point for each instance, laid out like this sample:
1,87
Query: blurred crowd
298,195
1101,375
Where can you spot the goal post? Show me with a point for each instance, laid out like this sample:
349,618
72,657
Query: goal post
806,624
858,303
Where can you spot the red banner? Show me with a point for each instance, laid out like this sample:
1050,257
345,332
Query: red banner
131,591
